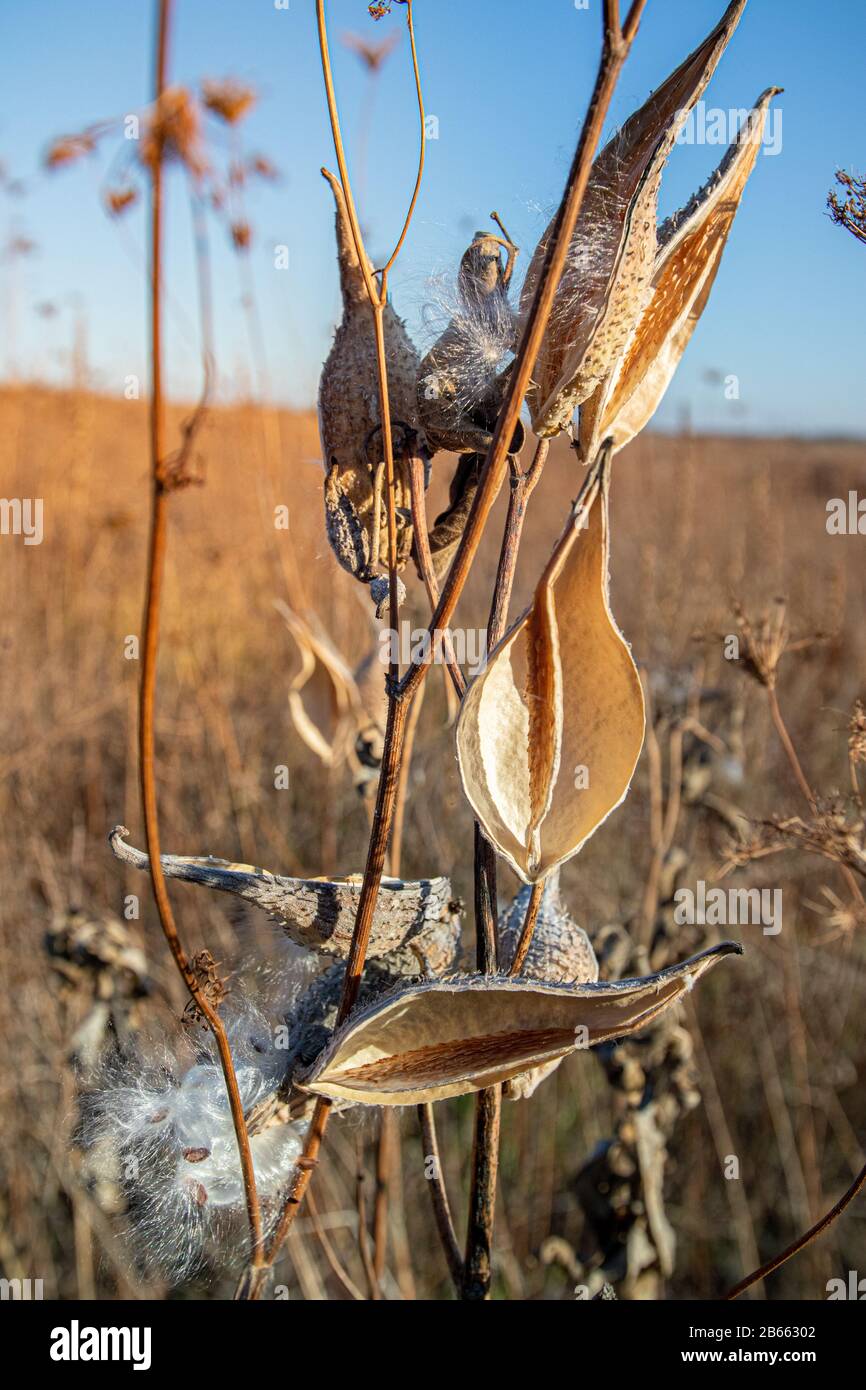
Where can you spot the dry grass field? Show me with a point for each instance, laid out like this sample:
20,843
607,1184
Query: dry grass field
698,524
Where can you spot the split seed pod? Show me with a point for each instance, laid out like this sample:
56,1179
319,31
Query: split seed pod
560,952
606,282
356,513
316,913
460,385
437,1039
690,248
550,732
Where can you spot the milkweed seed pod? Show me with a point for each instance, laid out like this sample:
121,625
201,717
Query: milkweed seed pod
550,732
689,252
316,913
460,381
441,1038
606,283
560,953
434,952
356,514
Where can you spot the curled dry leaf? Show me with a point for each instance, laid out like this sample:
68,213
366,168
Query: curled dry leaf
356,514
443,1038
606,281
316,913
690,248
550,732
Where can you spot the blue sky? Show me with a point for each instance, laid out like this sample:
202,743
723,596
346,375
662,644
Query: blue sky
508,81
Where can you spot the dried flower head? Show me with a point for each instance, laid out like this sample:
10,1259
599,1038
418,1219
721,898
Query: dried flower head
849,210
171,131
242,235
765,641
66,149
119,200
372,55
227,98
857,733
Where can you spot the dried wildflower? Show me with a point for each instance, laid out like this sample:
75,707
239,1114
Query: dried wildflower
607,280
242,235
228,99
849,210
764,643
118,200
316,913
690,248
437,1039
349,420
460,381
857,733
372,55
549,734
66,149
832,832
264,167
172,132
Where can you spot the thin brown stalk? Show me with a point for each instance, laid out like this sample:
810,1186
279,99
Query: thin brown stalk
363,1234
395,855
425,563
330,1253
522,487
441,1205
528,929
423,146
388,1141
802,1241
162,484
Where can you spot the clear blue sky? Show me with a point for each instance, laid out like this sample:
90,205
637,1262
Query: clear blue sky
508,81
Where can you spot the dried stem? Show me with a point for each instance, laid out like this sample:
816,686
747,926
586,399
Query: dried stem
527,930
162,484
800,1244
441,1206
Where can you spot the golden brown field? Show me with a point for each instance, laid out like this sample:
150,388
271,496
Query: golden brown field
698,523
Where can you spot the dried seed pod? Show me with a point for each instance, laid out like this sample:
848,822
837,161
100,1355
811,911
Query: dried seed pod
356,513
450,524
316,913
606,282
560,953
690,248
550,732
460,382
436,1039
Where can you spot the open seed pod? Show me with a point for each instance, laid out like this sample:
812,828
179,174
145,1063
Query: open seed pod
460,385
429,1041
560,952
690,248
550,732
316,913
606,282
433,953
356,513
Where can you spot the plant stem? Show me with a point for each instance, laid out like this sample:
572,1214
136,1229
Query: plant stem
800,1244
155,575
527,930
438,1193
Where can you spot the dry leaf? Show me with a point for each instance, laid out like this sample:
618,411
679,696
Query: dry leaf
691,244
316,913
606,281
550,732
443,1038
349,423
